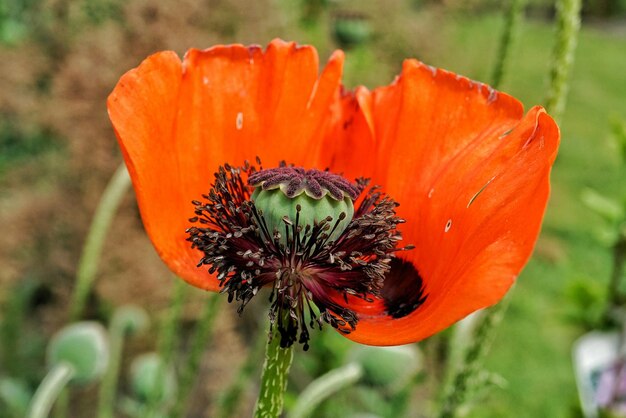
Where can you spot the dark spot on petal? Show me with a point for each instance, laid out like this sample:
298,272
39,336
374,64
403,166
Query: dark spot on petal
403,289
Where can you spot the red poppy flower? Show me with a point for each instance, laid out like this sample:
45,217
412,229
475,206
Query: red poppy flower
469,171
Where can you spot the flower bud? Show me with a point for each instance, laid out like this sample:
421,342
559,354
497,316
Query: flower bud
85,346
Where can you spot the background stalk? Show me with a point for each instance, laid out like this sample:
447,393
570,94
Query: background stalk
513,19
92,250
49,390
325,386
568,25
458,391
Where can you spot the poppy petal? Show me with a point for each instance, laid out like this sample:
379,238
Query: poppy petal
178,122
143,110
350,142
473,190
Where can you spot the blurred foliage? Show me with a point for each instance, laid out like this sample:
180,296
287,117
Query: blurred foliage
99,11
23,348
20,142
586,299
545,8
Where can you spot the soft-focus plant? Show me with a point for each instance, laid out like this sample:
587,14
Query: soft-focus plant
78,354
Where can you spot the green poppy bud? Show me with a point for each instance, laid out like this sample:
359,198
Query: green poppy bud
83,345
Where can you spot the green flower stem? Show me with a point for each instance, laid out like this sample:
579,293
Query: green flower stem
323,387
49,389
274,378
568,25
201,338
108,386
125,320
90,257
230,399
509,33
457,392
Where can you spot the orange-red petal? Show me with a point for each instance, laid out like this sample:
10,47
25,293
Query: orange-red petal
472,179
177,122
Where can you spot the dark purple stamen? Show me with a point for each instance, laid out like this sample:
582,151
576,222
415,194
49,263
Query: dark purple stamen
309,270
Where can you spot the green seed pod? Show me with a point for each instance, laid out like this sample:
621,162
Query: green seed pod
276,207
85,346
131,318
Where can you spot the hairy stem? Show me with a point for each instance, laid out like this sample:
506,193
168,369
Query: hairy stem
458,391
274,378
568,25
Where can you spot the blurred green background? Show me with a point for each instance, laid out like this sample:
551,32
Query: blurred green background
60,59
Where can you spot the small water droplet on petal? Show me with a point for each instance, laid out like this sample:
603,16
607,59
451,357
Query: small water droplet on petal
239,121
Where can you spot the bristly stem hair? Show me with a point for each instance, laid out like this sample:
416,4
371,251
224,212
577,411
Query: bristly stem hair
274,377
568,26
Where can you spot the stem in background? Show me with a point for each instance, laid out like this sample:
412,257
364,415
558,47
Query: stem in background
323,387
92,250
568,25
274,377
49,389
201,338
509,33
457,393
